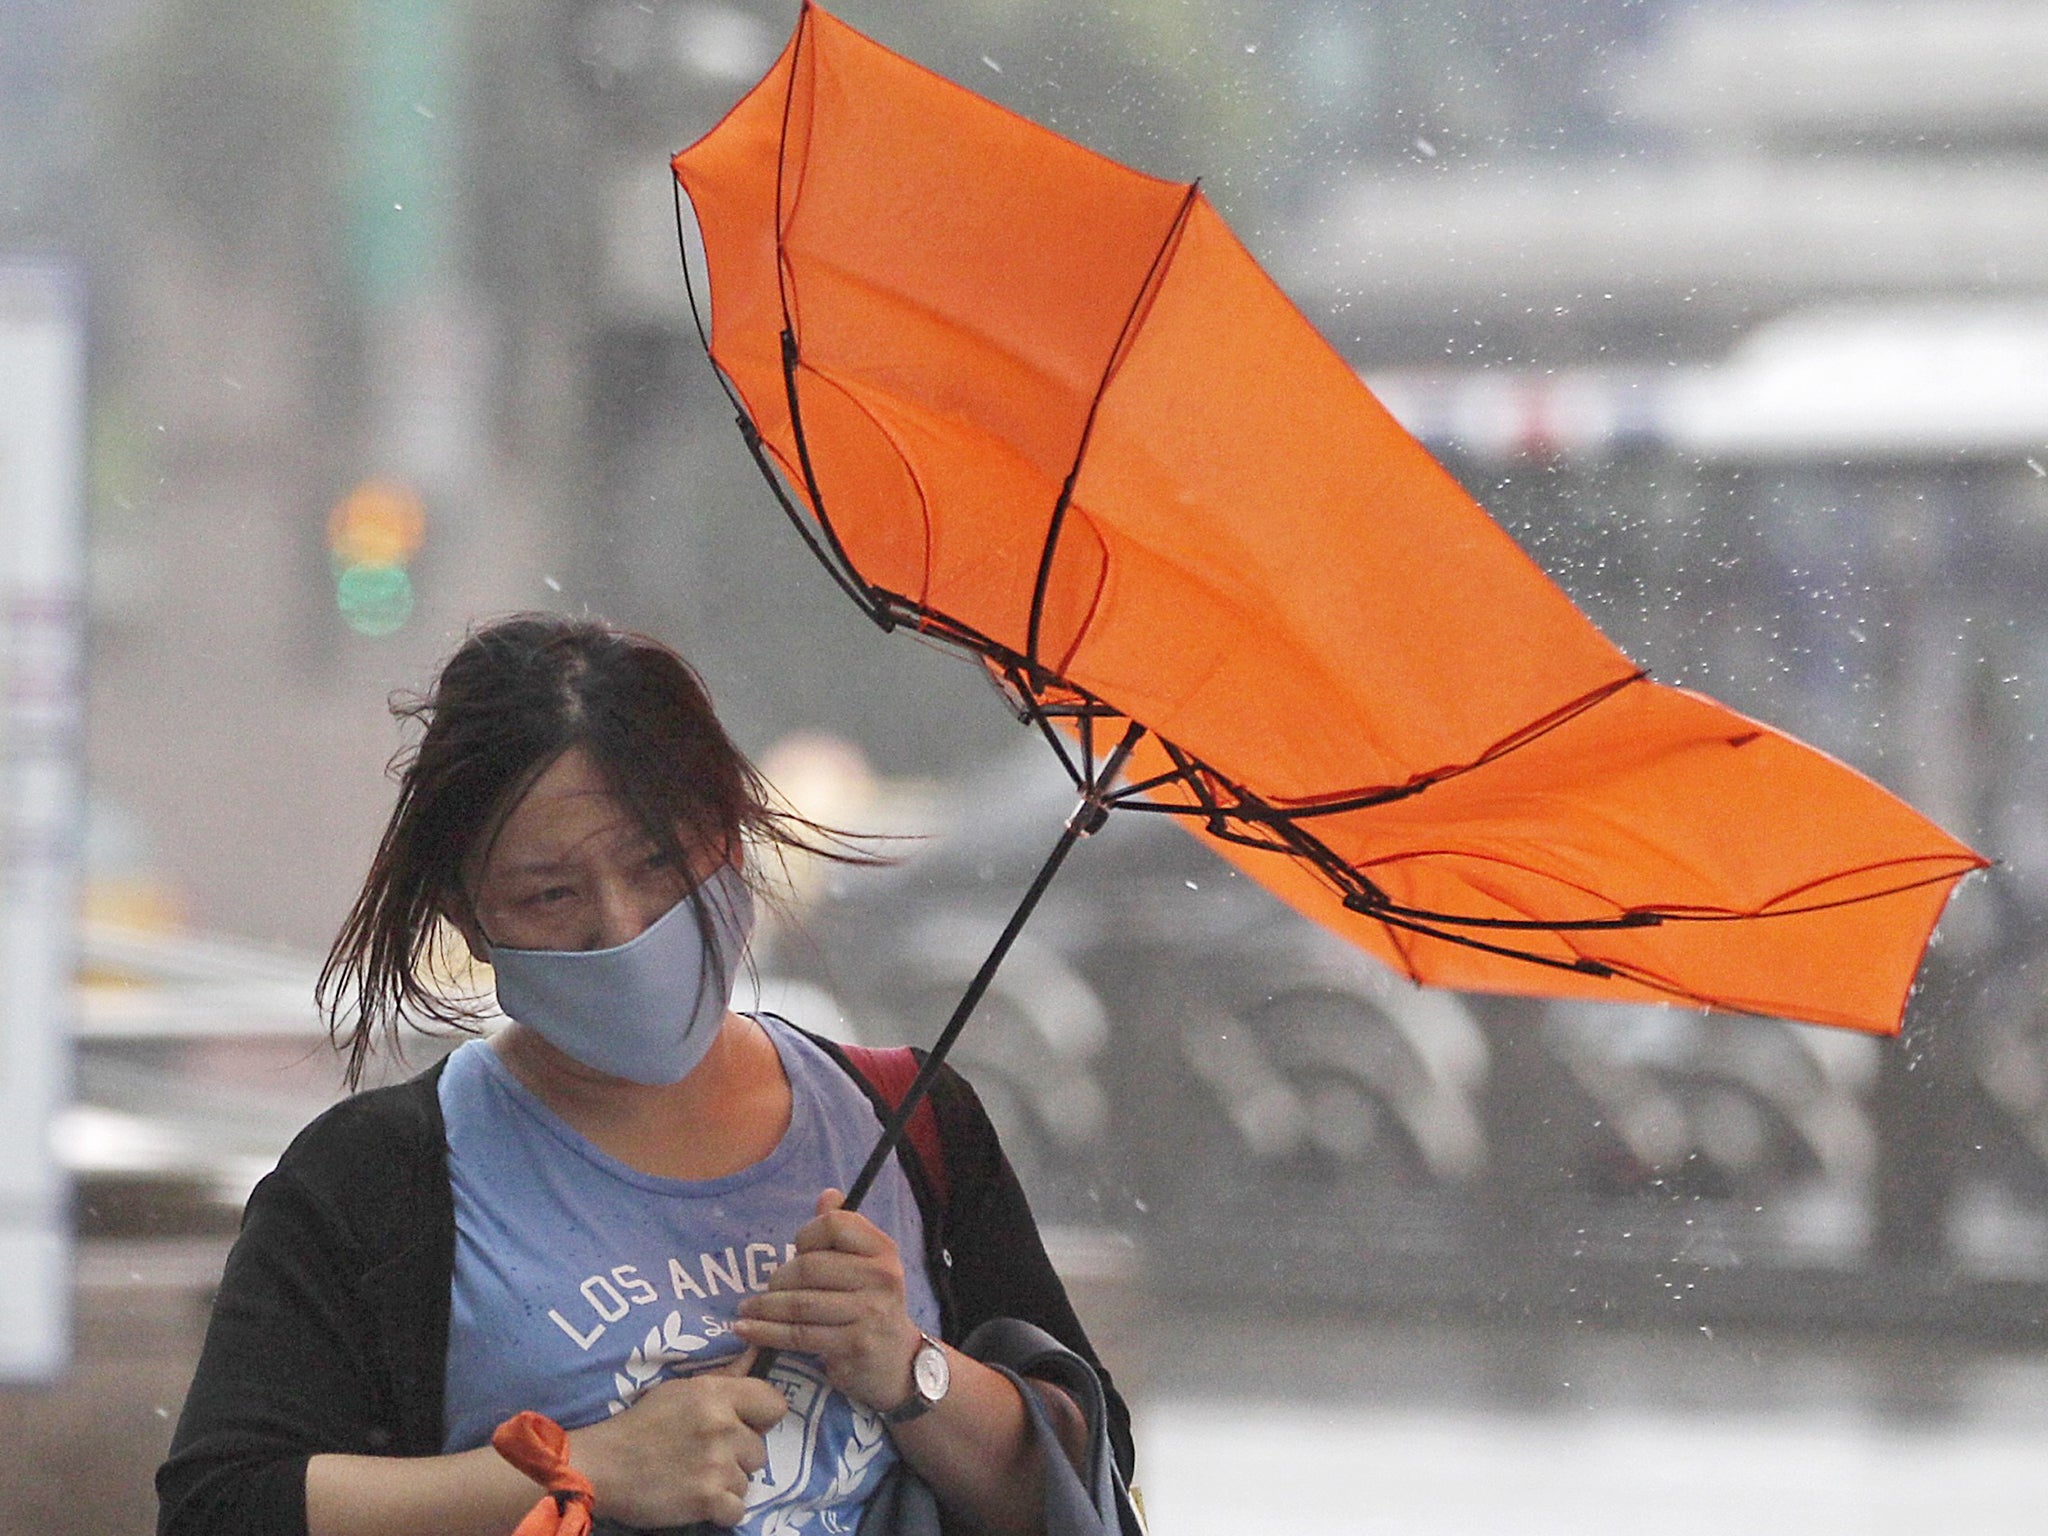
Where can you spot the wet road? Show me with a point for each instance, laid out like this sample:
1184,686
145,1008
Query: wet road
1251,1422
1213,1467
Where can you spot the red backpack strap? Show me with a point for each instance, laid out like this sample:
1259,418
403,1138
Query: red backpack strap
888,1072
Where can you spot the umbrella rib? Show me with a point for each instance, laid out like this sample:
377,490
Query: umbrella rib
1369,901
790,357
1291,841
1145,786
1686,915
1360,894
696,314
1140,307
840,569
782,273
1251,808
1281,836
1970,865
1658,982
861,598
1584,965
751,434
888,434
1536,730
1195,775
1059,747
786,295
1634,917
1652,914
1364,896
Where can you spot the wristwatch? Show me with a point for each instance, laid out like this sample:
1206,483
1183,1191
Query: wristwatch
930,1374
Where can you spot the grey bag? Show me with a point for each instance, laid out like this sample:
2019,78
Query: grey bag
1090,1502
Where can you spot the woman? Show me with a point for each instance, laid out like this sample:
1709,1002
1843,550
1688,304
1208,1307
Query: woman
603,1211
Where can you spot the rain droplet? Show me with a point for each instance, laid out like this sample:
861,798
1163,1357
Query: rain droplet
1423,147
2036,466
991,63
551,584
1191,885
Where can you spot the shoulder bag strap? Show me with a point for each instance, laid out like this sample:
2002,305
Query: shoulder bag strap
887,1072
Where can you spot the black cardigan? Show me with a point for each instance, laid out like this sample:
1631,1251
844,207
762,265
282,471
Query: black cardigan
330,1330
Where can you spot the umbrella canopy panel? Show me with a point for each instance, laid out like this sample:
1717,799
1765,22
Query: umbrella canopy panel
1049,408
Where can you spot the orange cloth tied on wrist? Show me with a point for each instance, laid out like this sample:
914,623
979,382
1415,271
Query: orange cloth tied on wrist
539,1447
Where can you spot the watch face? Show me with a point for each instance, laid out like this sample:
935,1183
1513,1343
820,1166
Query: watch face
932,1372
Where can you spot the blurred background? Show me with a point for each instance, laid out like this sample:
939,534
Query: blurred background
329,326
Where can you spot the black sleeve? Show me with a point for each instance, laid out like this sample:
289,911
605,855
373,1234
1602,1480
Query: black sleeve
281,1376
998,1262
319,1341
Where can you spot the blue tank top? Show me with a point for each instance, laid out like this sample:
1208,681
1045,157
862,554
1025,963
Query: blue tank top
580,1282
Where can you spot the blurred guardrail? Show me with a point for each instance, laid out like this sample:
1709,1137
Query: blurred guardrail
198,1059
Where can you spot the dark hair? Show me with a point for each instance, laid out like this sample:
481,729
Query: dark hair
515,696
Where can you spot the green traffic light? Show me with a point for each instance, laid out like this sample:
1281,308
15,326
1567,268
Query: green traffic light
374,600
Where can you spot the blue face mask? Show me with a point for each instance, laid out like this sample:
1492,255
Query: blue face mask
648,1009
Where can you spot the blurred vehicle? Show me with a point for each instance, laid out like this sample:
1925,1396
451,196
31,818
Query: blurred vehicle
198,1059
1173,1056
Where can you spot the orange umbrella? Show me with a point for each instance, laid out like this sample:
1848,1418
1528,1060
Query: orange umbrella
1048,409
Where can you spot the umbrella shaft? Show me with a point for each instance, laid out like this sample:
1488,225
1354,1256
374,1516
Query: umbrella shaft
1087,818
892,1130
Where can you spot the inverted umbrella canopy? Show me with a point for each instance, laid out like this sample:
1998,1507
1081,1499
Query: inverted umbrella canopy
1048,409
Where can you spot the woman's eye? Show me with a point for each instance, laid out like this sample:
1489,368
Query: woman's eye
659,866
552,895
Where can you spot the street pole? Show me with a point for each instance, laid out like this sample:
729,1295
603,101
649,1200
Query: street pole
42,345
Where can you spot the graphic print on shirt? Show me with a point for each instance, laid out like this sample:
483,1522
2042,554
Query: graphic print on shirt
821,1426
824,1453
652,1359
797,1449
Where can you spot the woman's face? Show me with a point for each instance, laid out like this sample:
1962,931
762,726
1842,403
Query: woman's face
572,869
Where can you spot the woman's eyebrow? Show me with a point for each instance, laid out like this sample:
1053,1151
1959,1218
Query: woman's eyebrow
535,866
625,844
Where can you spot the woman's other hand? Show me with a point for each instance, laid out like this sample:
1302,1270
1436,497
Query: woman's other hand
840,1299
685,1451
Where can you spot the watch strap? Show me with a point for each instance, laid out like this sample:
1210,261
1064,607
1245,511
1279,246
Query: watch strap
917,1405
